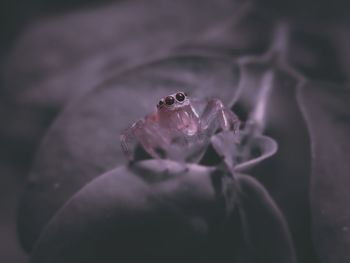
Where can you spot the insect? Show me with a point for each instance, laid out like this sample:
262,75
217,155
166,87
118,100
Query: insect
180,128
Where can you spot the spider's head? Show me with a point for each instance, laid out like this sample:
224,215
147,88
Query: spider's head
173,101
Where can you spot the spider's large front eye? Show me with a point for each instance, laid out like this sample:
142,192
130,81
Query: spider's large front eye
180,97
169,100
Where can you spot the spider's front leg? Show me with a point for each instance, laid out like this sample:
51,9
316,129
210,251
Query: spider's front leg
216,115
127,136
147,133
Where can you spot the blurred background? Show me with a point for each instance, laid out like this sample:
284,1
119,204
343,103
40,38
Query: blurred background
22,126
19,132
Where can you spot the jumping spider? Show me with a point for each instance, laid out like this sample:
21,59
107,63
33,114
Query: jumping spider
180,128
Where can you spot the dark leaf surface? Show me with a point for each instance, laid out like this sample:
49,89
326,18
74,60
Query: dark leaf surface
287,172
326,110
156,210
166,211
263,224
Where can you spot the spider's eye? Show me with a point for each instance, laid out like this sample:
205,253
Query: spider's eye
169,100
160,103
180,96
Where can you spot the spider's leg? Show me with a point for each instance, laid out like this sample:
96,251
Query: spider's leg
152,137
216,115
127,135
148,133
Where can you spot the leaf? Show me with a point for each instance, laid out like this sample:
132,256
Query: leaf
313,53
241,154
258,149
84,141
263,223
157,210
326,111
162,211
285,174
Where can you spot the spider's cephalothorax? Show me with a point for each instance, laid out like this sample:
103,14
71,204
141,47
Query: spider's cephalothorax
175,112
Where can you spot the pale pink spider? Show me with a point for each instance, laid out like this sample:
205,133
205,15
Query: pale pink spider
181,127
